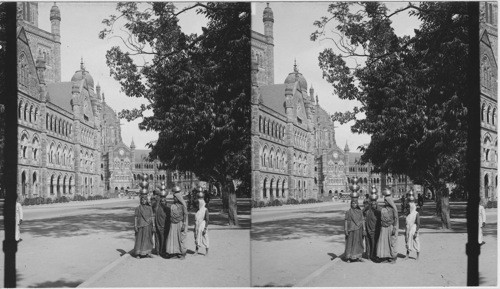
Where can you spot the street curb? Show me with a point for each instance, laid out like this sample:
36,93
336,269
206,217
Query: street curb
103,271
291,207
305,281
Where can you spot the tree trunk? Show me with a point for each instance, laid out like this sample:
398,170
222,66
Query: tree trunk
229,194
443,206
224,197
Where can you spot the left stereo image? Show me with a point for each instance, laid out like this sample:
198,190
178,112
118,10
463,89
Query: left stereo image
131,126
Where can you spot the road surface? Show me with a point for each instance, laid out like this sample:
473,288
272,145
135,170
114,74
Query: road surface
301,246
65,244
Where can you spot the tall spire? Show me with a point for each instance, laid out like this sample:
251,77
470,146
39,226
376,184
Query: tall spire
346,146
295,65
132,145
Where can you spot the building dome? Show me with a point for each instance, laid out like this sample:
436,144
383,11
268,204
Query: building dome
55,14
296,76
268,14
81,74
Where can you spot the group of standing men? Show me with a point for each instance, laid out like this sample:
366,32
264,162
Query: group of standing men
164,227
379,225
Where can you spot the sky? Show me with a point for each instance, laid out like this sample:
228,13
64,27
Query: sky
293,25
80,25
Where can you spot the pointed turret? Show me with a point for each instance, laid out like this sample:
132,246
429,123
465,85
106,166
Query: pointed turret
311,92
132,144
268,19
346,148
55,28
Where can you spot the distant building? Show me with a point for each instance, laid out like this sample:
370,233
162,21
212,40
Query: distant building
488,78
294,152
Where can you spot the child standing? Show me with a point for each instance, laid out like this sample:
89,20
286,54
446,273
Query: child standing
412,227
201,223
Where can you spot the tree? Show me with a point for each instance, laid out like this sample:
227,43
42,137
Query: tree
197,87
412,90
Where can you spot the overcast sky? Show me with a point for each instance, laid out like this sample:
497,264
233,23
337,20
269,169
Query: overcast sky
293,25
80,26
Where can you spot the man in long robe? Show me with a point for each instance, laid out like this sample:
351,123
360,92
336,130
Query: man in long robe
354,228
372,223
388,238
144,226
178,226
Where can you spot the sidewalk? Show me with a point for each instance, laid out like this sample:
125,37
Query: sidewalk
294,207
228,265
442,262
75,204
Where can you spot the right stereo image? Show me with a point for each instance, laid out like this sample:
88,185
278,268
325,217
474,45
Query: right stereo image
361,144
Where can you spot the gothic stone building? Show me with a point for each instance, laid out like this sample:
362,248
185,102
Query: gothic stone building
294,152
69,138
488,63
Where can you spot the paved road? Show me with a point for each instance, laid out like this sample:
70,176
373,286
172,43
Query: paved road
295,243
301,243
65,244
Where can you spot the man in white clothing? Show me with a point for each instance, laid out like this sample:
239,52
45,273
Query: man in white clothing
19,218
482,220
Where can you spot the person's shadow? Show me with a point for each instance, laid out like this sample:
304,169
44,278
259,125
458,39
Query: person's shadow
333,256
121,251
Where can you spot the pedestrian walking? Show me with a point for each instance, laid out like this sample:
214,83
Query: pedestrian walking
420,201
19,218
482,220
178,226
387,241
144,227
412,226
354,229
372,223
201,223
162,222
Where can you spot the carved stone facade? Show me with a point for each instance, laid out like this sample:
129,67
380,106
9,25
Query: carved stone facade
69,138
488,78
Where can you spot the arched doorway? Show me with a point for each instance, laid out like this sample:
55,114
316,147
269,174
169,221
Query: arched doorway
486,186
34,184
264,189
271,188
52,184
24,184
70,190
59,186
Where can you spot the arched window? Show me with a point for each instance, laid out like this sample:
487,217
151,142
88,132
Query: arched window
494,116
26,111
264,188
483,108
260,123
488,114
20,109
